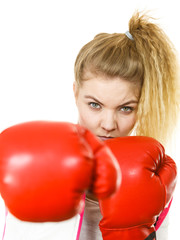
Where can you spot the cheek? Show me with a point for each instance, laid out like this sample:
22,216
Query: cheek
84,119
125,125
87,119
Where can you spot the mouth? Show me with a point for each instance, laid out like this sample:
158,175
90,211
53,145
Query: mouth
103,138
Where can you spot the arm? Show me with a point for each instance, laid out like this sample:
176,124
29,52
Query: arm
162,232
162,223
162,216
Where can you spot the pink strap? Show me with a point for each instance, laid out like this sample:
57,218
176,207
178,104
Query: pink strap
81,219
162,216
6,213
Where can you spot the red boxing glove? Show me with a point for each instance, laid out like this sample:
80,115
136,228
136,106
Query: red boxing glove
148,181
45,167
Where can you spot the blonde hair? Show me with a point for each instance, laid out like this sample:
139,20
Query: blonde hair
149,59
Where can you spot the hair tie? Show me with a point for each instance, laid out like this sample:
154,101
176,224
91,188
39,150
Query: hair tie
128,34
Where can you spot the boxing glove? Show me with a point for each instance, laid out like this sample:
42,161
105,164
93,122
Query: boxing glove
148,182
45,168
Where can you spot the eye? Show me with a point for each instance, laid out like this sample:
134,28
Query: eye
126,109
94,105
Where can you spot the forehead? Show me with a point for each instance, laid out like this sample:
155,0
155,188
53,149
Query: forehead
108,89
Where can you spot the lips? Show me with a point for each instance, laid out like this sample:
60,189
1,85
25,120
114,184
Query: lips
103,138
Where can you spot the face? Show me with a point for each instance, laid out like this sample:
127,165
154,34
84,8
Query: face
107,106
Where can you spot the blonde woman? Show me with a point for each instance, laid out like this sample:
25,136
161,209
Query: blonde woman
126,84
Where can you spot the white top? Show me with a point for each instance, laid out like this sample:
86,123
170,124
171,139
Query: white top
90,224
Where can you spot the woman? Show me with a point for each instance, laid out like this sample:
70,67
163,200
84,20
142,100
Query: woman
126,84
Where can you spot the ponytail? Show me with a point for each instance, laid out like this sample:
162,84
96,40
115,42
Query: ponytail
159,102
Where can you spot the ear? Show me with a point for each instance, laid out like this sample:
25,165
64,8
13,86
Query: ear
75,90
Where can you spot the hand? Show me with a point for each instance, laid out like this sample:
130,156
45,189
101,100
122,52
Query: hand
148,182
45,168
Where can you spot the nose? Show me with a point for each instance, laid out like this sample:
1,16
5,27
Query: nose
108,122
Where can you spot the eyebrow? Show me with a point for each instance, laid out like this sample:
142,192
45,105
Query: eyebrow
96,100
93,98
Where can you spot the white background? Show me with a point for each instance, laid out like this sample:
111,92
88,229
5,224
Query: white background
39,41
